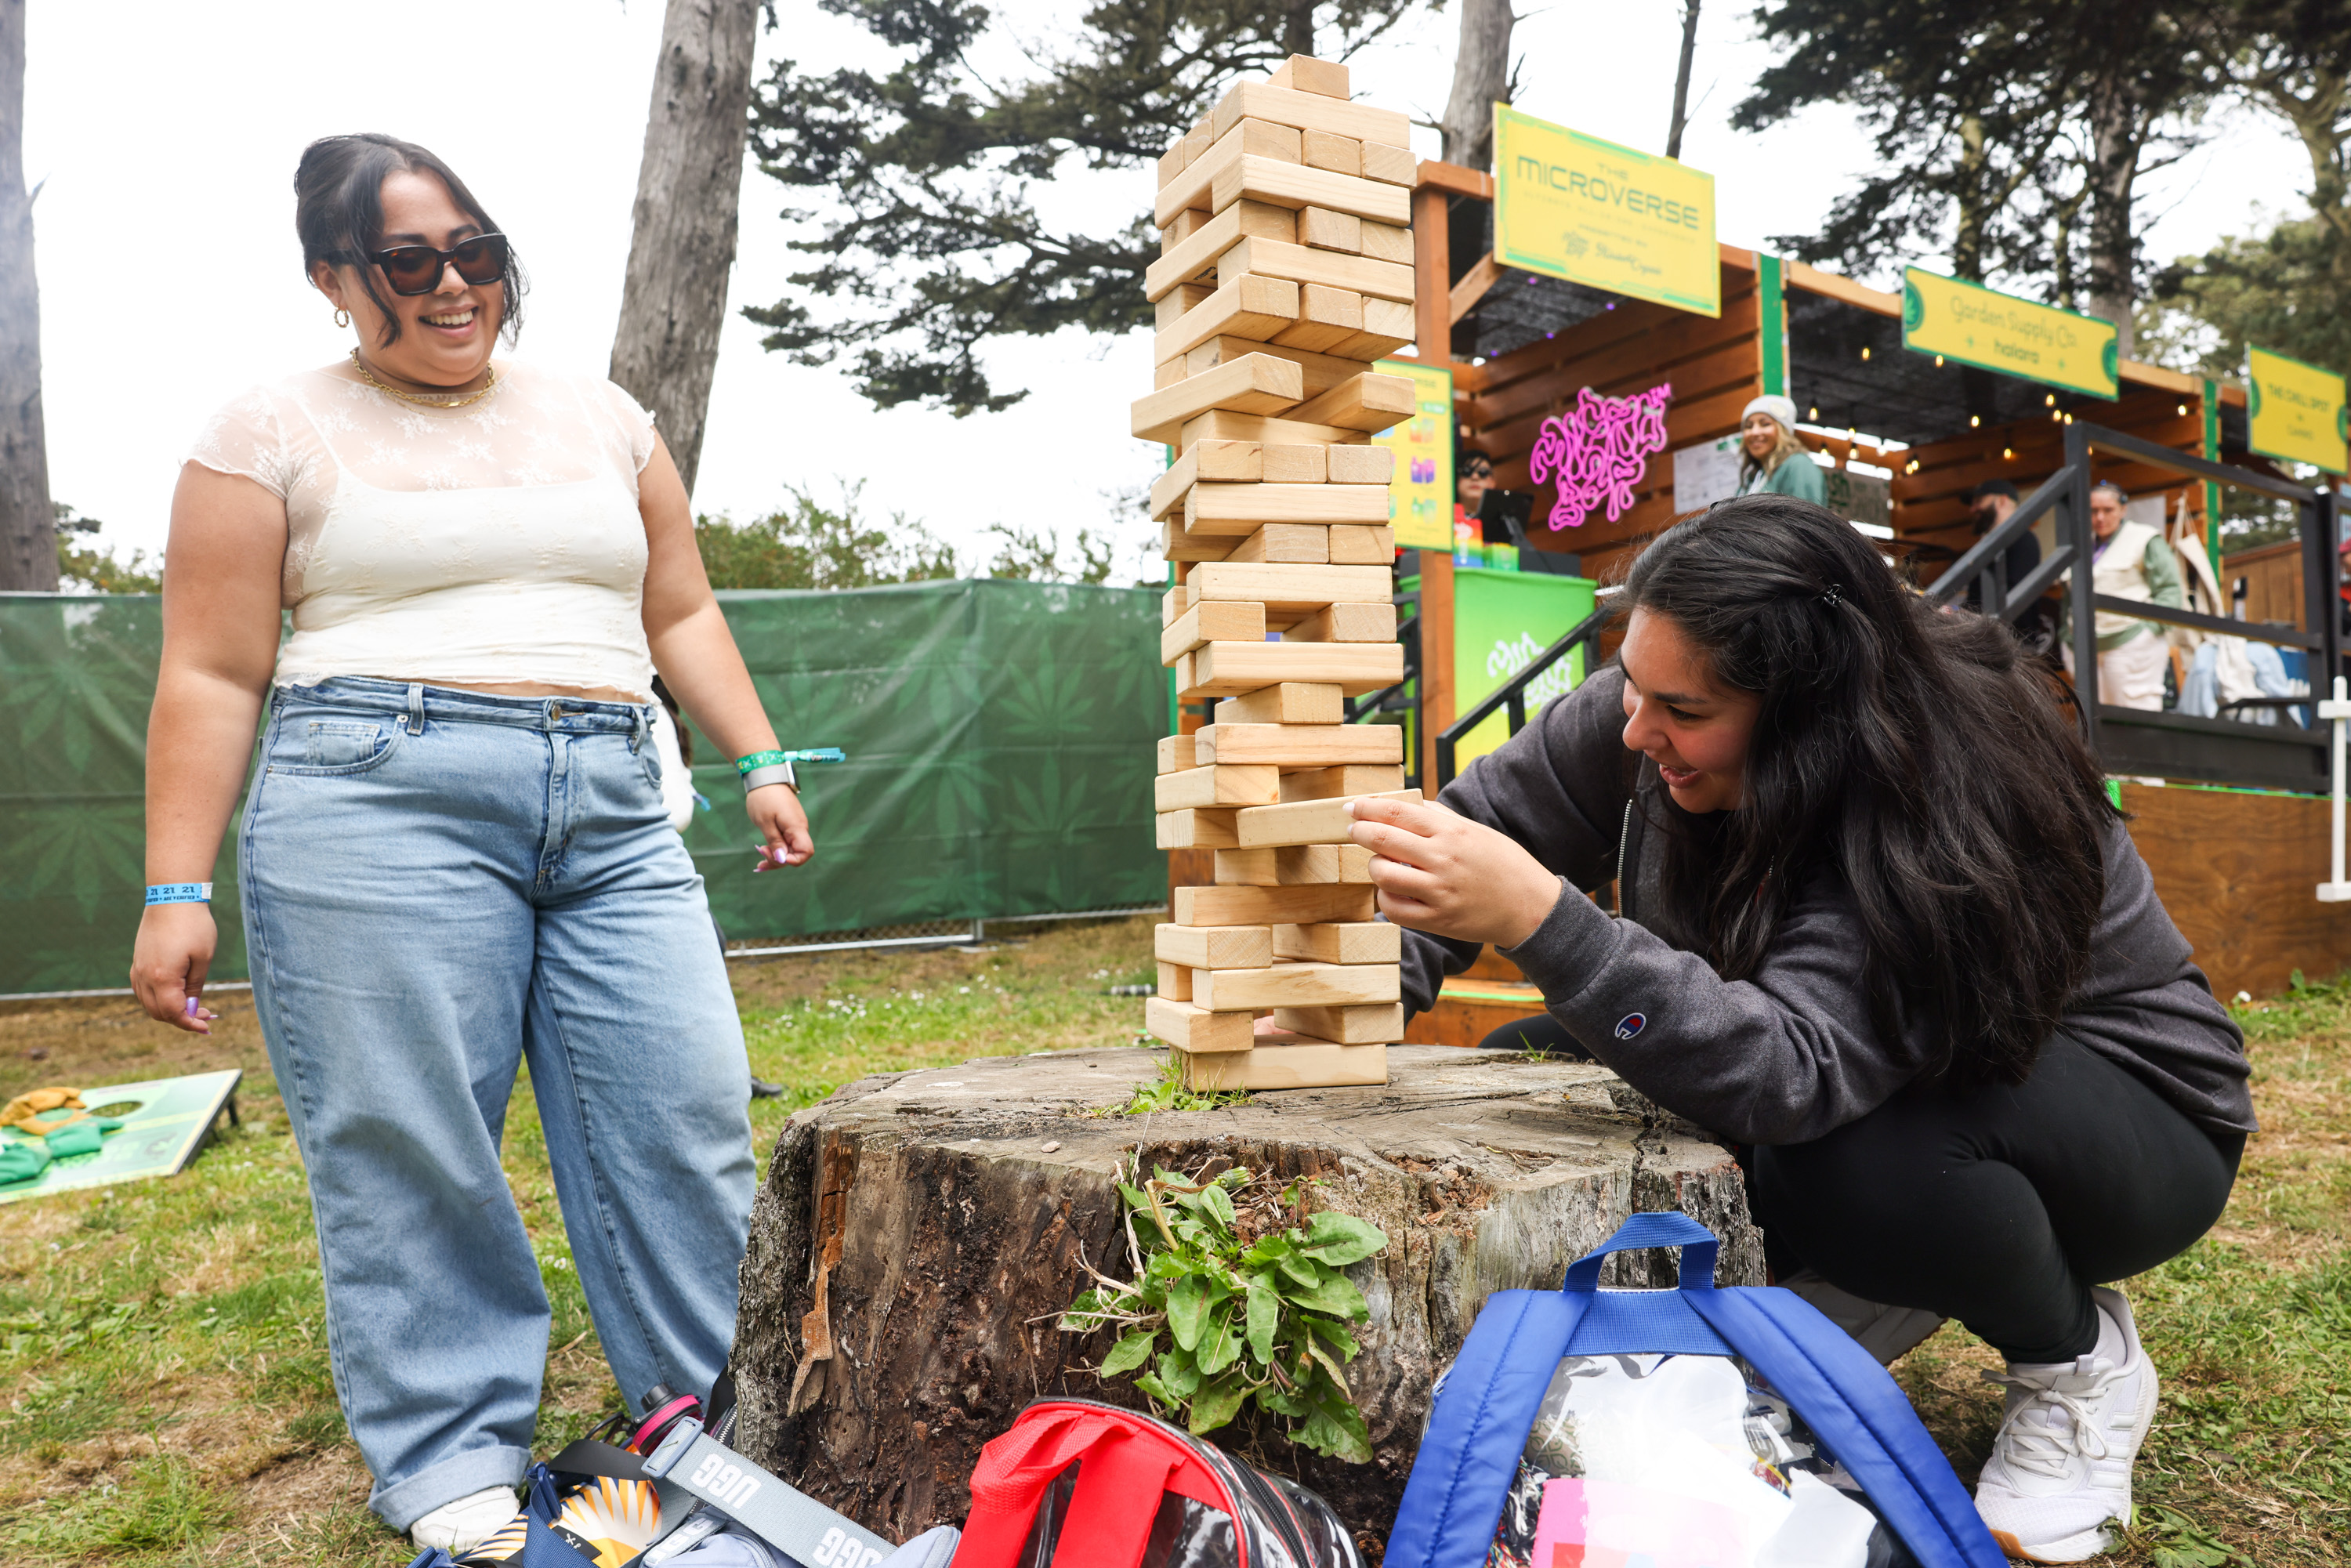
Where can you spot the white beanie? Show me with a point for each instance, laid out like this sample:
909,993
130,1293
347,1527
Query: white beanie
1783,408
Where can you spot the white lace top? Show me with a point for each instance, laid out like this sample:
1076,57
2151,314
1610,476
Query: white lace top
493,543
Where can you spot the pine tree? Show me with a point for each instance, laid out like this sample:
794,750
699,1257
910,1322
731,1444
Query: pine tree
924,177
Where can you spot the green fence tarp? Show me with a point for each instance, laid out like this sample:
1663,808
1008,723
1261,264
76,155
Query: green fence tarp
999,737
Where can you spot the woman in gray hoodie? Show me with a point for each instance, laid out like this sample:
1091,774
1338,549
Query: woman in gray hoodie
1877,920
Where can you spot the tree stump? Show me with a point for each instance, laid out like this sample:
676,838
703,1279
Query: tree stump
918,1234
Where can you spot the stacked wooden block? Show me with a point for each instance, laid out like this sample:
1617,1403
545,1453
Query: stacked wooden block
1285,268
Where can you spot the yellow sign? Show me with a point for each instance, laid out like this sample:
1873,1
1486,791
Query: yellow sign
1574,206
1977,326
1420,495
2297,411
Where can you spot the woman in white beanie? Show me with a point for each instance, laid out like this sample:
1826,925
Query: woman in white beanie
1771,458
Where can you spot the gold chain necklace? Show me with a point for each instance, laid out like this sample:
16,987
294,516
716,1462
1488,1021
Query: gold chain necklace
368,376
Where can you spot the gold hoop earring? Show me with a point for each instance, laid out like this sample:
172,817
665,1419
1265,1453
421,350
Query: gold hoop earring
342,317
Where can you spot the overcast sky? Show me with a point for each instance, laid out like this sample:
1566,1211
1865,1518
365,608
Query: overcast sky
167,134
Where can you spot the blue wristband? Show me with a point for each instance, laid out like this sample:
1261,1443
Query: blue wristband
181,892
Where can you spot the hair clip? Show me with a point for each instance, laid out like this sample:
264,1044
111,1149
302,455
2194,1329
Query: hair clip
1831,598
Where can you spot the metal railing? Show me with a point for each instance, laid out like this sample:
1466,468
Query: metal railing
2137,741
1511,695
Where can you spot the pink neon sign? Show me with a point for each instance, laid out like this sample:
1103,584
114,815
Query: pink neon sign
1599,451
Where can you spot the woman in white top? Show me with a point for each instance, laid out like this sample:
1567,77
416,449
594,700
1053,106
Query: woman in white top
454,856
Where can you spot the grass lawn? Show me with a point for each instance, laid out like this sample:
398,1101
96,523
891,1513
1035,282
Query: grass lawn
167,1397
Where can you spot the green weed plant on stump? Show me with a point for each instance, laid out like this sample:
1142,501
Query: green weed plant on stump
1228,1308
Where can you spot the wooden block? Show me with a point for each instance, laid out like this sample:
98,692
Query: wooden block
1168,375
1303,544
1194,1029
1290,702
1306,821
1303,265
1232,461
1219,233
1214,946
1390,166
1349,1026
1254,784
1345,623
1290,185
1296,986
1213,620
1331,783
1189,222
1305,1064
1272,906
1321,372
1176,753
1326,230
1361,545
1216,425
1328,318
1173,604
1329,150
1295,865
1297,463
1207,506
1301,588
1210,829
1255,383
1340,942
1381,242
1388,325
1171,163
1299,746
1258,141
1176,302
1251,308
1174,981
1178,543
1368,402
1310,111
1360,464
1229,669
1304,73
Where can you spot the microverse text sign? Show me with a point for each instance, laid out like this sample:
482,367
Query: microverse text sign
1571,205
1995,331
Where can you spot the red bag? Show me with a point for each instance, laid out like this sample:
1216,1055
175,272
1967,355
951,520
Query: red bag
1079,1484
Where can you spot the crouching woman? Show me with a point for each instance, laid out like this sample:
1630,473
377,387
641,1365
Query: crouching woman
1879,921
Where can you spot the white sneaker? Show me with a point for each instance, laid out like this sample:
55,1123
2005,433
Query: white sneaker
1887,1333
458,1527
2060,1467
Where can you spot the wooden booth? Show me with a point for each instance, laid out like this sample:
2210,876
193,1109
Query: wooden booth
1908,436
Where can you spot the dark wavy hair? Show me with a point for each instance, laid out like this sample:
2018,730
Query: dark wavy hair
339,214
1911,752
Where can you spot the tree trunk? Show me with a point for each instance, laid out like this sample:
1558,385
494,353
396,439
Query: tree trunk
689,189
1681,80
917,1234
1481,79
28,540
2117,127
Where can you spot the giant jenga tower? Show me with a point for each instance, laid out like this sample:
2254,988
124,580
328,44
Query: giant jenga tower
1285,267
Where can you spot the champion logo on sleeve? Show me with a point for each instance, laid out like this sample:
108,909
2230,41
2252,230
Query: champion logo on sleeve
1630,1024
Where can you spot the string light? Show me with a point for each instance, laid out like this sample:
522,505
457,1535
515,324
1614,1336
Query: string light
2183,411
1864,351
2008,452
1974,420
2050,400
1938,361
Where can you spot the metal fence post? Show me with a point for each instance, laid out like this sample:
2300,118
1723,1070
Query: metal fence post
2074,528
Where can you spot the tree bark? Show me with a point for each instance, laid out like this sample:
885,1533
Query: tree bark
1682,79
1481,79
917,1235
2117,128
28,540
689,189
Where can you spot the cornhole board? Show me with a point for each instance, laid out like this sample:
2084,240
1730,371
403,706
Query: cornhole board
164,1121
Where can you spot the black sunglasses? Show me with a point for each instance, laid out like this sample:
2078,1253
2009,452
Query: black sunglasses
413,269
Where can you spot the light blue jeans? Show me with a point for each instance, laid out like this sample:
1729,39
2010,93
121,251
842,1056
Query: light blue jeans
438,886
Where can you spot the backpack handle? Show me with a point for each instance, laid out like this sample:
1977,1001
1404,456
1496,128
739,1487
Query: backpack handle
1698,1248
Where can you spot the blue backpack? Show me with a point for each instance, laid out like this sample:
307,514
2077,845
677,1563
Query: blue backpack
1844,1410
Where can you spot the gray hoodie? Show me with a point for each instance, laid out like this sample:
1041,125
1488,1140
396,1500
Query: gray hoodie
1790,1054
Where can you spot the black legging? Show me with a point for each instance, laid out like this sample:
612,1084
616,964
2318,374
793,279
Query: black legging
1998,1207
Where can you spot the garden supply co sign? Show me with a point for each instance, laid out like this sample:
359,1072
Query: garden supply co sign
1573,206
1994,332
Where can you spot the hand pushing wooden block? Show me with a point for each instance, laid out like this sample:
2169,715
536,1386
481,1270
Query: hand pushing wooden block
1305,821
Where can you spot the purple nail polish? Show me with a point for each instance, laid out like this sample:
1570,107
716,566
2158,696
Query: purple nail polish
193,1006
